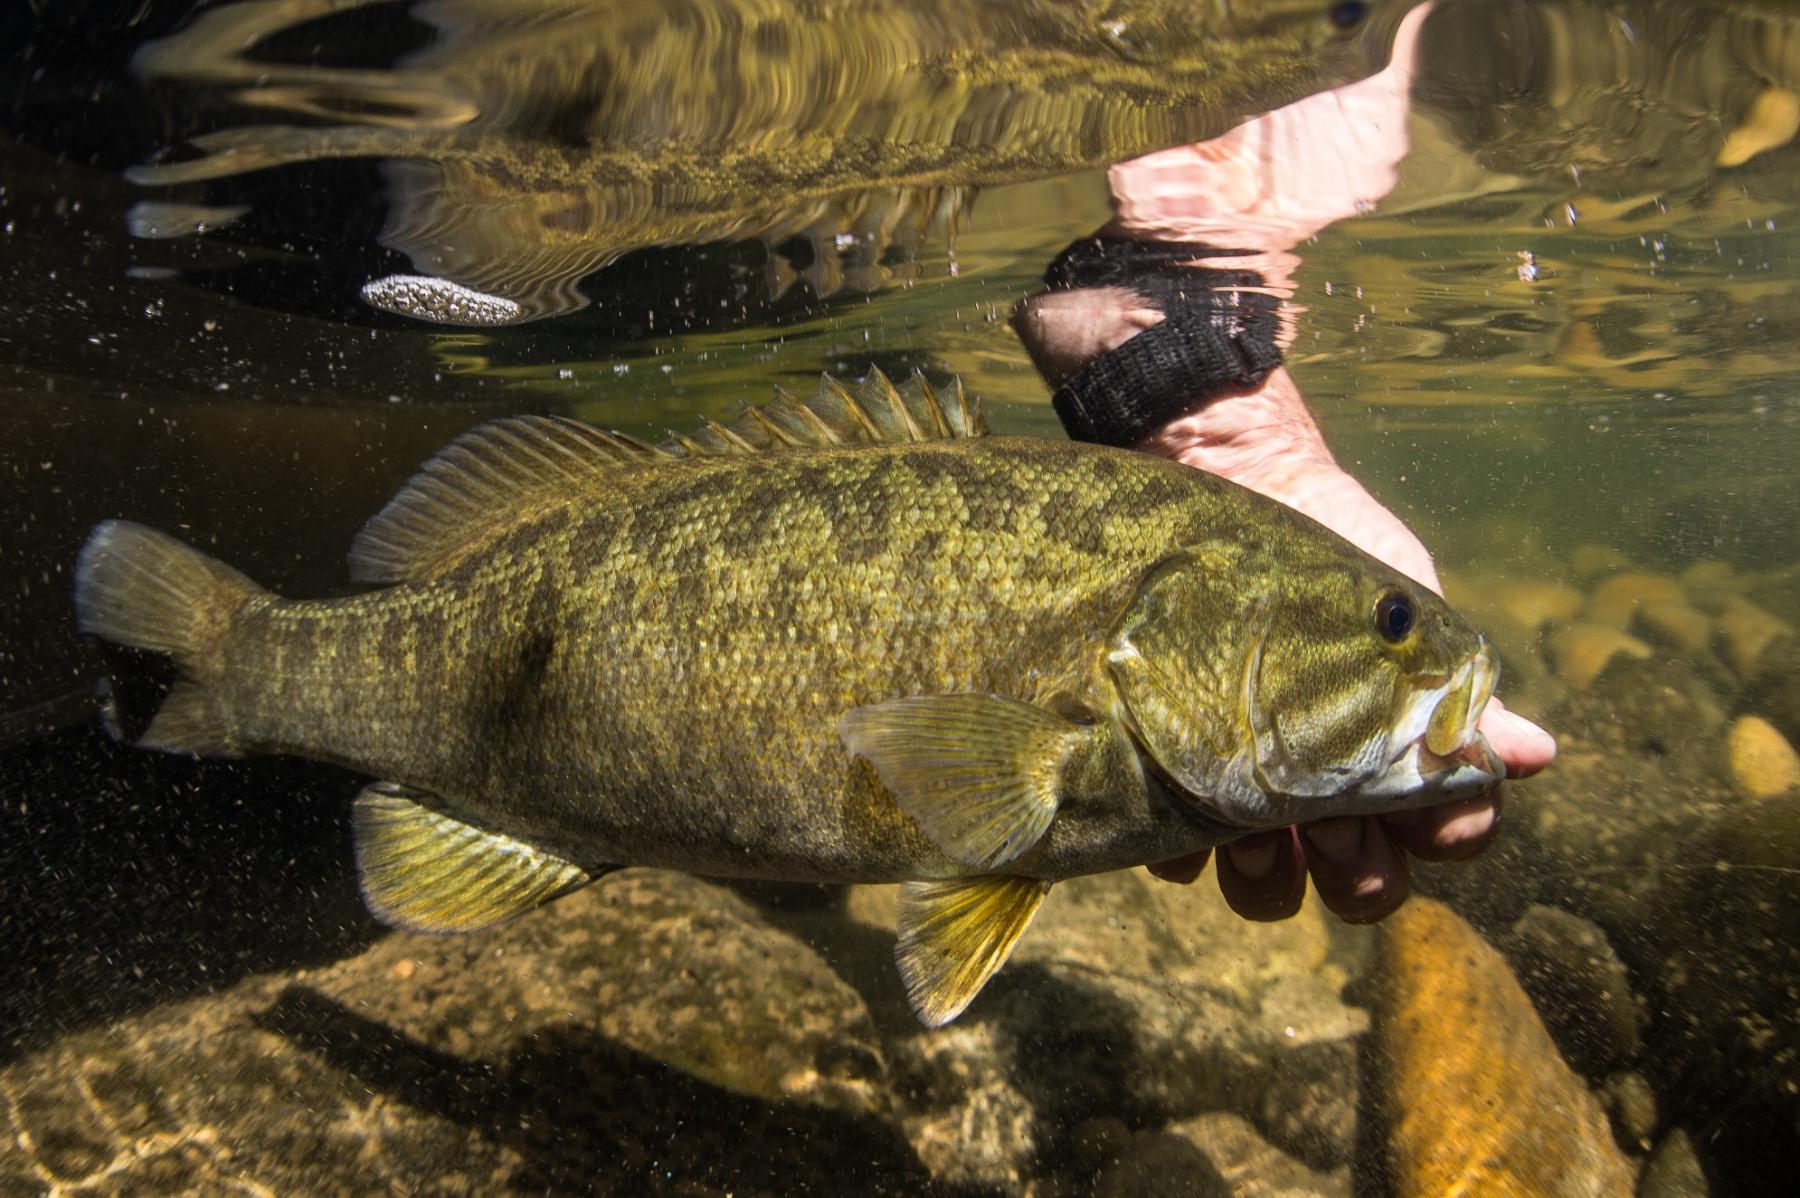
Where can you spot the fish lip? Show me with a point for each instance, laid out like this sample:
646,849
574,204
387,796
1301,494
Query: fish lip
1476,751
1476,678
1471,685
1417,775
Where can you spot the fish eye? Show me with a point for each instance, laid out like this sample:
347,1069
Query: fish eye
1395,615
1346,15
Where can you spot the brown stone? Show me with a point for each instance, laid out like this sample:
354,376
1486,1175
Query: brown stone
1475,1098
1677,624
1535,604
1632,1105
1216,1155
1579,986
1774,691
1763,764
1709,583
1708,573
650,1022
1746,632
1615,601
1581,651
1674,1170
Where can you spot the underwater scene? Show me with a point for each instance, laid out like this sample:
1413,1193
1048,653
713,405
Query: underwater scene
763,597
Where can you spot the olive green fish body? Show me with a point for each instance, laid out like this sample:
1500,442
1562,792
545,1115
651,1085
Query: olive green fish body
848,640
653,672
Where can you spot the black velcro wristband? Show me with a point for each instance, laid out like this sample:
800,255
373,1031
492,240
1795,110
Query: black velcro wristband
1217,335
1164,372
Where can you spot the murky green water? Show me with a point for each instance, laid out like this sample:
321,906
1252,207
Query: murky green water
1560,348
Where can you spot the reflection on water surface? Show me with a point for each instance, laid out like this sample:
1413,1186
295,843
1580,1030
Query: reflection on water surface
528,145
1558,348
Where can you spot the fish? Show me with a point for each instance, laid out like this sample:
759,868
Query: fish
857,638
528,145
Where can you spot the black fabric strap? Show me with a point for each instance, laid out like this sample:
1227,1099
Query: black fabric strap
1217,335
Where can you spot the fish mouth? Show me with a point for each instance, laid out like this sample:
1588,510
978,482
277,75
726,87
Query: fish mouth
1441,755
1453,719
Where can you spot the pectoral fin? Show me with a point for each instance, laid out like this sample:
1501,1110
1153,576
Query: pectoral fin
424,871
979,773
954,935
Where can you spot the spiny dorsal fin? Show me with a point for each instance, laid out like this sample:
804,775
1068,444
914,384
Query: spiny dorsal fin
955,934
487,478
424,871
875,412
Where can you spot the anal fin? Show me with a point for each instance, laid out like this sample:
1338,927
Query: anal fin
424,871
954,935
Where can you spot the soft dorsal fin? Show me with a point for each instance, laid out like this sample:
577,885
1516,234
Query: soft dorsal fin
480,484
484,480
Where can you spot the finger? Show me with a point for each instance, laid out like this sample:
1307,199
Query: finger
1360,874
1521,744
1180,870
1263,877
1451,831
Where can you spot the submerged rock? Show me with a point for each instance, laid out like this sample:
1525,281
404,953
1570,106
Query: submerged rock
682,971
530,1059
1658,706
1774,691
1631,1104
1214,1156
1582,650
970,1124
1475,1098
1673,1170
1593,561
1677,624
1615,601
1640,829
1763,764
1143,1001
1534,604
1746,632
656,1033
1579,986
1708,575
1710,584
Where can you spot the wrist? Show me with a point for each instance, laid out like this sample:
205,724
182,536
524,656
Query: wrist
1247,433
1142,334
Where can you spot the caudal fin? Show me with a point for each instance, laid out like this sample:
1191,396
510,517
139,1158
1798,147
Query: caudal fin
138,587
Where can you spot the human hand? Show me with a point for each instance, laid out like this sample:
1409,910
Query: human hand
1265,439
1261,189
1268,442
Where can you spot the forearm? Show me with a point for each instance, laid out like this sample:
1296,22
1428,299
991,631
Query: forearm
1261,436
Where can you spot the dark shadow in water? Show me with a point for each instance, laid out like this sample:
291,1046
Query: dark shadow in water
1745,1143
859,954
1369,1170
590,1115
1074,1057
134,878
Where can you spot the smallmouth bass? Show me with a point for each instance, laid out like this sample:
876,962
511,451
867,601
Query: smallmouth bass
855,639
